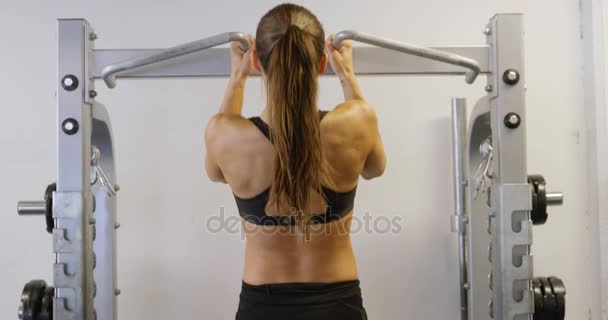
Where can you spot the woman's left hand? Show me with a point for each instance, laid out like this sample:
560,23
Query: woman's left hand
240,61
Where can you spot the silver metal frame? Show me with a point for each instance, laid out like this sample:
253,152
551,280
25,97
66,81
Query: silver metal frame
500,230
84,238
460,219
73,200
104,189
511,199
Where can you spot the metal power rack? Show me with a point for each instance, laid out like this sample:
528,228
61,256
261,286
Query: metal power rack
81,207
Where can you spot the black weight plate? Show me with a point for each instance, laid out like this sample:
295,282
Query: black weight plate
46,311
534,213
550,300
559,290
542,313
538,299
539,199
542,201
557,285
31,299
48,198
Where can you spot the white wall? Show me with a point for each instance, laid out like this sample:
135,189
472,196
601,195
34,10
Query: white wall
594,18
603,191
171,267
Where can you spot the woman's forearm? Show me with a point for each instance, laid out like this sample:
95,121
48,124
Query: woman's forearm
351,88
232,102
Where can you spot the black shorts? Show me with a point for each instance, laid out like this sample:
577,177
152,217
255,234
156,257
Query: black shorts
300,301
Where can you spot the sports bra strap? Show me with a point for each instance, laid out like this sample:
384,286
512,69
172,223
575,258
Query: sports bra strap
322,114
260,124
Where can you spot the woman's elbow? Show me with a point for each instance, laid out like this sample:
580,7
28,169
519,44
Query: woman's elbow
214,173
215,177
375,172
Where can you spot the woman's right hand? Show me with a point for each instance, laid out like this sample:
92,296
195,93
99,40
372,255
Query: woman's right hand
341,59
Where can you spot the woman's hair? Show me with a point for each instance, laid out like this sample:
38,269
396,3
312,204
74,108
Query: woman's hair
290,42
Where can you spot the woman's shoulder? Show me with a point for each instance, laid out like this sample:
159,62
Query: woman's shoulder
352,112
228,128
225,120
226,124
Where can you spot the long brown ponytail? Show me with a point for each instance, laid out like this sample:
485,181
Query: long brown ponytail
290,44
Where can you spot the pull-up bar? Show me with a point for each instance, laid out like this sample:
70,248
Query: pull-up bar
423,52
110,72
109,64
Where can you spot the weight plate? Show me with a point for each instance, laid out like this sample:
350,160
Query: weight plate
541,312
559,290
46,311
539,199
550,300
538,299
48,198
557,285
31,299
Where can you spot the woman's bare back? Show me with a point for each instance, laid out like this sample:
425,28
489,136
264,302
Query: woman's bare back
279,254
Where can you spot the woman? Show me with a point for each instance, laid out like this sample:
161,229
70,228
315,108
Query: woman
294,171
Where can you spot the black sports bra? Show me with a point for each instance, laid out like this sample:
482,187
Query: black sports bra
253,210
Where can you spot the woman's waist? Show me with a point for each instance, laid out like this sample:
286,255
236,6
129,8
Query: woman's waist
299,292
332,263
